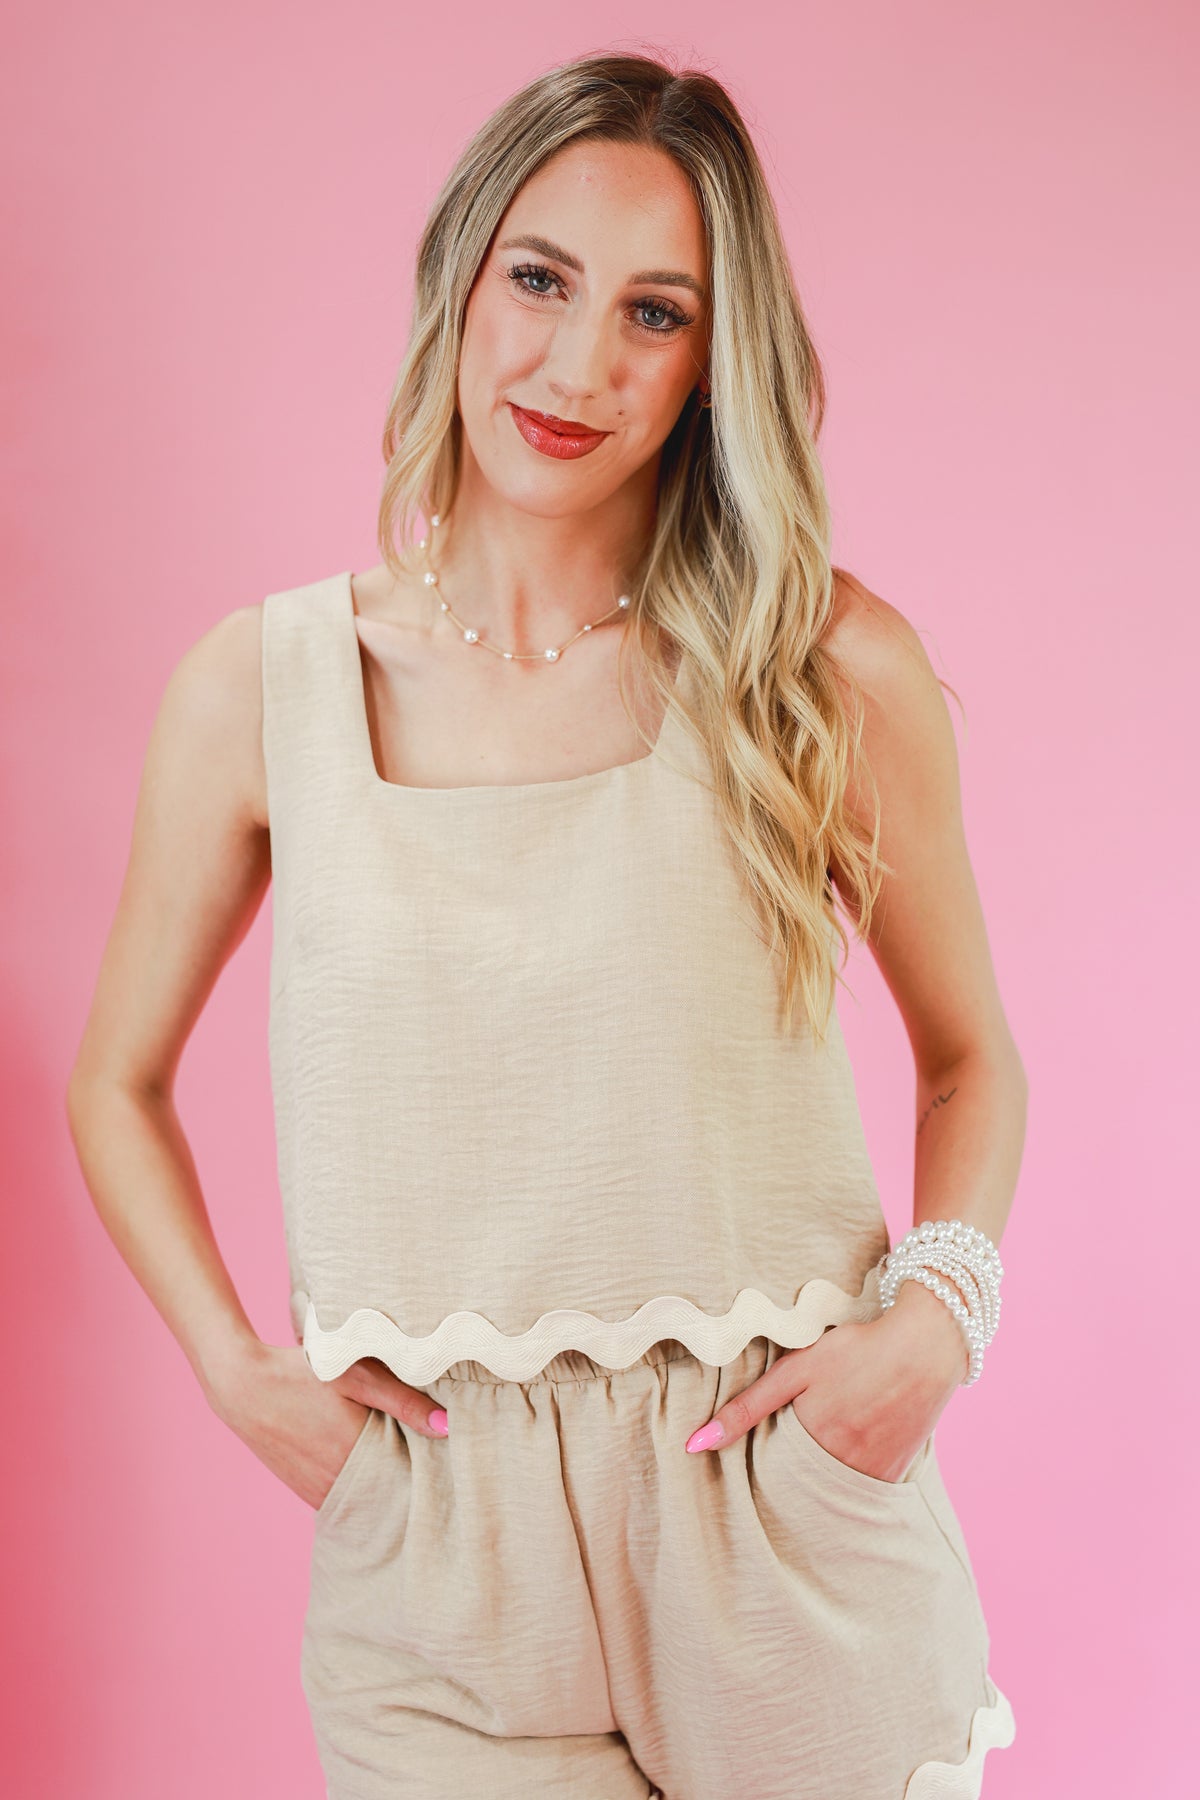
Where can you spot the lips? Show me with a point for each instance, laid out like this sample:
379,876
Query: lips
564,439
564,427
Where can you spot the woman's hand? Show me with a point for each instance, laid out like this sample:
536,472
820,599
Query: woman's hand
869,1393
302,1428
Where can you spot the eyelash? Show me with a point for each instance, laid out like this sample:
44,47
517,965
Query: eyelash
678,319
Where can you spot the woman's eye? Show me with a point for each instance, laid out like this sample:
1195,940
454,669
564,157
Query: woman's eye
672,320
533,272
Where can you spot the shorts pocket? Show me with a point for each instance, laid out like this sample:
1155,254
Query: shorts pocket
827,1466
345,1475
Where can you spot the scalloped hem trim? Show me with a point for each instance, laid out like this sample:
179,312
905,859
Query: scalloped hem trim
993,1727
468,1336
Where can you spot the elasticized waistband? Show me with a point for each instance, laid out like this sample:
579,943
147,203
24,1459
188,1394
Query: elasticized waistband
566,1366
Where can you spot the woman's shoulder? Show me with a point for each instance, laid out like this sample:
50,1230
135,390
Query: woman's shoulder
214,699
871,639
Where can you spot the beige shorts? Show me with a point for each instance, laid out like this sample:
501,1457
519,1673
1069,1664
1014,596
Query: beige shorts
558,1600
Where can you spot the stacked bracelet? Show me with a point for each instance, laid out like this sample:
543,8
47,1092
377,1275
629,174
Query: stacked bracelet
951,1247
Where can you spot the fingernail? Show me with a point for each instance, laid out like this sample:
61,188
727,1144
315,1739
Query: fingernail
439,1422
707,1436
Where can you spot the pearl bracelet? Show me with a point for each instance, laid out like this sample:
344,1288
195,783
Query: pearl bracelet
968,1256
949,1246
981,1297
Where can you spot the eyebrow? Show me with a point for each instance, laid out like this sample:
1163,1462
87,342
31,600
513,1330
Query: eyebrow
556,253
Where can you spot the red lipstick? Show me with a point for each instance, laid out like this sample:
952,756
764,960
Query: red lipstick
563,438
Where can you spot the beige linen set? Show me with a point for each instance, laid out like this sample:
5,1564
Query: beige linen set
545,1150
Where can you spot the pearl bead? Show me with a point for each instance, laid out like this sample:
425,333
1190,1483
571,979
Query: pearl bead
967,1255
551,654
436,519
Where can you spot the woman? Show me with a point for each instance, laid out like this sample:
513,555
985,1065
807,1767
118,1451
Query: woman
574,1178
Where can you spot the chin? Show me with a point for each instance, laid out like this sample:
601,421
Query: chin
541,501
553,493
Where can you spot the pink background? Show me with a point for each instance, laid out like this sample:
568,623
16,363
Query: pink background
211,214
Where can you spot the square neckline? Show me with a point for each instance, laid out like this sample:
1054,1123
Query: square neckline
362,732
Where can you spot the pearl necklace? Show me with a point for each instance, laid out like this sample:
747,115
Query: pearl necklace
471,636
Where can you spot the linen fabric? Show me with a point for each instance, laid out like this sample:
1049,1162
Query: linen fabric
530,1084
557,1599
546,1150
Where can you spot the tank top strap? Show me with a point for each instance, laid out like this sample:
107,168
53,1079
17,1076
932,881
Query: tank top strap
309,667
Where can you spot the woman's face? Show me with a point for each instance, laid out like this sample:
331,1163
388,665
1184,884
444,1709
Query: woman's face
591,307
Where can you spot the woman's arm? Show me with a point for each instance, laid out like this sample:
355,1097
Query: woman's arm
875,1389
929,940
198,868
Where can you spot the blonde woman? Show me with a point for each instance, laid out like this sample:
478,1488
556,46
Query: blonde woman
614,1405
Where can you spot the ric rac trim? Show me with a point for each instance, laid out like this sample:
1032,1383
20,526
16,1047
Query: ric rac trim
992,1728
461,1336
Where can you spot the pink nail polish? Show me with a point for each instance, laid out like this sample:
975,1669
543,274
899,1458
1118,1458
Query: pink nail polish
707,1436
439,1422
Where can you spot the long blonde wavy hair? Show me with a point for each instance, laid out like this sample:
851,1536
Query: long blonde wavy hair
737,570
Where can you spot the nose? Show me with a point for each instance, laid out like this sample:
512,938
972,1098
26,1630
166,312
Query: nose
576,367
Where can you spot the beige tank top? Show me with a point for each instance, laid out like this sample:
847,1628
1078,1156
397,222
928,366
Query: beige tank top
530,1090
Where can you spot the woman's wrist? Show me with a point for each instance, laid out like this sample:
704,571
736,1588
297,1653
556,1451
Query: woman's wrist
227,1365
931,1328
958,1263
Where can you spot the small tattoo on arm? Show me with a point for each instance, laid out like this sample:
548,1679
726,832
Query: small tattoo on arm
938,1100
